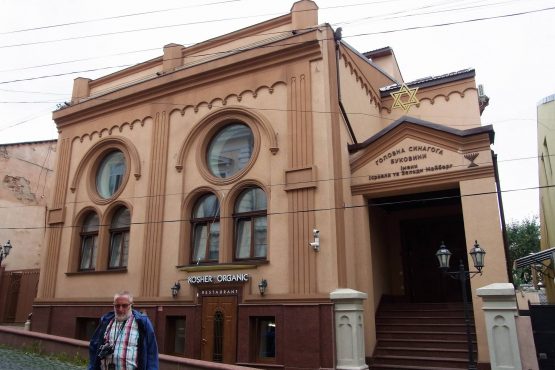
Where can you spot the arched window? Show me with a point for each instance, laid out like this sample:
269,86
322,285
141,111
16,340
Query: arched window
218,351
205,226
119,239
89,237
251,224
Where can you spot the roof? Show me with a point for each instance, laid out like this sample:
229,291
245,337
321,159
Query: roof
547,99
31,142
432,81
534,258
434,126
378,52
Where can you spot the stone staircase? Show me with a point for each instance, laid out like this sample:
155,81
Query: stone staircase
430,336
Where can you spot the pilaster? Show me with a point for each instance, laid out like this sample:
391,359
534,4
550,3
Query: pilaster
155,207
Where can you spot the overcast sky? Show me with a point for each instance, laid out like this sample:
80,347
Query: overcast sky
509,43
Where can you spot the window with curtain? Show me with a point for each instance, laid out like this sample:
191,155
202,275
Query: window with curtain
89,237
119,239
251,224
205,227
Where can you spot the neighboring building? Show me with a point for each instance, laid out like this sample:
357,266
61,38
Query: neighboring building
208,169
546,150
26,178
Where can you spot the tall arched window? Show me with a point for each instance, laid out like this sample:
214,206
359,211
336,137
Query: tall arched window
119,239
89,237
205,226
251,224
218,351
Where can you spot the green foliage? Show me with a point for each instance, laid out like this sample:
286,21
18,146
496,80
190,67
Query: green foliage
35,348
523,238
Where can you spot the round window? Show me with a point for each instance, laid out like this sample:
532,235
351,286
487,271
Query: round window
110,174
230,150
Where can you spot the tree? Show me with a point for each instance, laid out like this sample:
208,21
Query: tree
524,238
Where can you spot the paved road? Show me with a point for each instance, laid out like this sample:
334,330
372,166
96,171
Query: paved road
11,359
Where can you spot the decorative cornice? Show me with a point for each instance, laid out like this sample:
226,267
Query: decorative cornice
305,45
361,78
224,101
432,100
431,130
109,131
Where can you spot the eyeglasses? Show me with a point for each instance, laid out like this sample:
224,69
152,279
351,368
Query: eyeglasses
125,305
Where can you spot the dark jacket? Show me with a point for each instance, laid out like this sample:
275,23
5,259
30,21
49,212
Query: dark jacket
147,347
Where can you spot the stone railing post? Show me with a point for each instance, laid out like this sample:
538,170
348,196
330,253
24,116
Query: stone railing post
500,309
349,329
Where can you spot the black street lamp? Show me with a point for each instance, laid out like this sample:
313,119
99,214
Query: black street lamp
477,253
5,250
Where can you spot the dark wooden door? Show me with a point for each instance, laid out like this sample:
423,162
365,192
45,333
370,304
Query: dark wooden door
219,328
421,239
543,327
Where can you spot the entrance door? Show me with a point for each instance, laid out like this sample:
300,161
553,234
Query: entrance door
421,239
219,327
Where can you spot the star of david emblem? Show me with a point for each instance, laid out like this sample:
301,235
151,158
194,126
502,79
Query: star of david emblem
410,100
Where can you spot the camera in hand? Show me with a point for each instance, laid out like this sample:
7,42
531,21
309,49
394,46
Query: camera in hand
105,350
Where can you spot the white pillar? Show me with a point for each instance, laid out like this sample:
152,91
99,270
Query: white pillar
349,329
500,309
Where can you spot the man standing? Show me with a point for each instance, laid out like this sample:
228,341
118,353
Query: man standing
124,339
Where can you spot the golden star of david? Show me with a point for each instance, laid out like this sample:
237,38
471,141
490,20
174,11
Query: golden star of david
405,105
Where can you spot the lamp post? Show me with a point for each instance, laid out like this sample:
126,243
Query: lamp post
477,253
5,250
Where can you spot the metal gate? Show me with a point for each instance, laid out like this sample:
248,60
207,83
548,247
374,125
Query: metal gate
543,326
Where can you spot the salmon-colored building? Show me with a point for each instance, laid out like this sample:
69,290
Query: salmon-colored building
259,172
26,179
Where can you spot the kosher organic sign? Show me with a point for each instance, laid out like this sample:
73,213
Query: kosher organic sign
410,160
217,279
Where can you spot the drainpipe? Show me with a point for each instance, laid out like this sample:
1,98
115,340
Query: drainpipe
337,39
502,214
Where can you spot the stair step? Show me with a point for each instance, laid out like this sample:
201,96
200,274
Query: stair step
407,367
421,313
422,352
423,343
452,328
437,335
421,336
419,319
422,306
428,362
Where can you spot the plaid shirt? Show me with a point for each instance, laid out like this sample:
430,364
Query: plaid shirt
126,339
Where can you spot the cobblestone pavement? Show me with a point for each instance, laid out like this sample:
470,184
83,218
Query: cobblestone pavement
11,359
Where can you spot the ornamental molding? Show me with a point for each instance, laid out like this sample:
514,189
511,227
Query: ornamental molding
432,100
364,84
121,143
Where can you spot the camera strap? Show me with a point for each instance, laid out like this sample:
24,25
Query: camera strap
118,334
107,339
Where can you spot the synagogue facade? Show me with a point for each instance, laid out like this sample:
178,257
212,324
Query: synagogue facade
234,185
